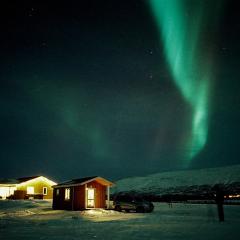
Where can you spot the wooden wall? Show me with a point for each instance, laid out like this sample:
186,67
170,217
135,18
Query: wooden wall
77,197
59,201
76,201
100,194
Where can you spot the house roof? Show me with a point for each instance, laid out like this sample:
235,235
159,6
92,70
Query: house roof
24,179
9,181
82,181
16,180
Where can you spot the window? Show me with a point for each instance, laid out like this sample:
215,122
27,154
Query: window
30,190
57,191
44,190
67,193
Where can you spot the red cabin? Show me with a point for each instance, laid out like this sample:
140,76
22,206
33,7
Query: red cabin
82,193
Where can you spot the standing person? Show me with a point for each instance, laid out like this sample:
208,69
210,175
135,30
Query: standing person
219,199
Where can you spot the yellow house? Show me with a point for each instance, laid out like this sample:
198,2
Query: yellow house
28,187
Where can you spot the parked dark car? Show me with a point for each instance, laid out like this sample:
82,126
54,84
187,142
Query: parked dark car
130,202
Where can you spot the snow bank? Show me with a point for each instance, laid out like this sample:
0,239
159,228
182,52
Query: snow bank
183,221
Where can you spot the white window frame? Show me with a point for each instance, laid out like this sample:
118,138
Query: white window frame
45,188
67,194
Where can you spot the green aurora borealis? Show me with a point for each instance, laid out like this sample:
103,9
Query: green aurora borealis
181,37
118,88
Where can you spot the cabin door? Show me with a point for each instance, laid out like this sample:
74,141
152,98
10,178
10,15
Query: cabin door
90,198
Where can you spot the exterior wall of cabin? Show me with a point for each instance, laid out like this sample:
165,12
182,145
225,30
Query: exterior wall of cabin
38,185
76,201
59,201
100,194
78,197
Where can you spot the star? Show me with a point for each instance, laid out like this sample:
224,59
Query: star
150,51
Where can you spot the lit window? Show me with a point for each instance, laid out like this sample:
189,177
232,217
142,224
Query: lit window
57,191
67,193
30,190
44,190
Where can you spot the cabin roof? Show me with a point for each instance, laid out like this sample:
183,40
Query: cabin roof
76,181
82,181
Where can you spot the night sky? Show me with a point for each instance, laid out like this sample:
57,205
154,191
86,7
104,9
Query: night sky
118,88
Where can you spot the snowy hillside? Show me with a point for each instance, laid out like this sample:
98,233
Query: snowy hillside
182,181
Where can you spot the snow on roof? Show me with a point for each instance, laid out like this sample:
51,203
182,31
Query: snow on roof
75,181
19,180
81,181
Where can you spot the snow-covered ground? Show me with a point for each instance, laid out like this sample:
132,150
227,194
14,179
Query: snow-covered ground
36,220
